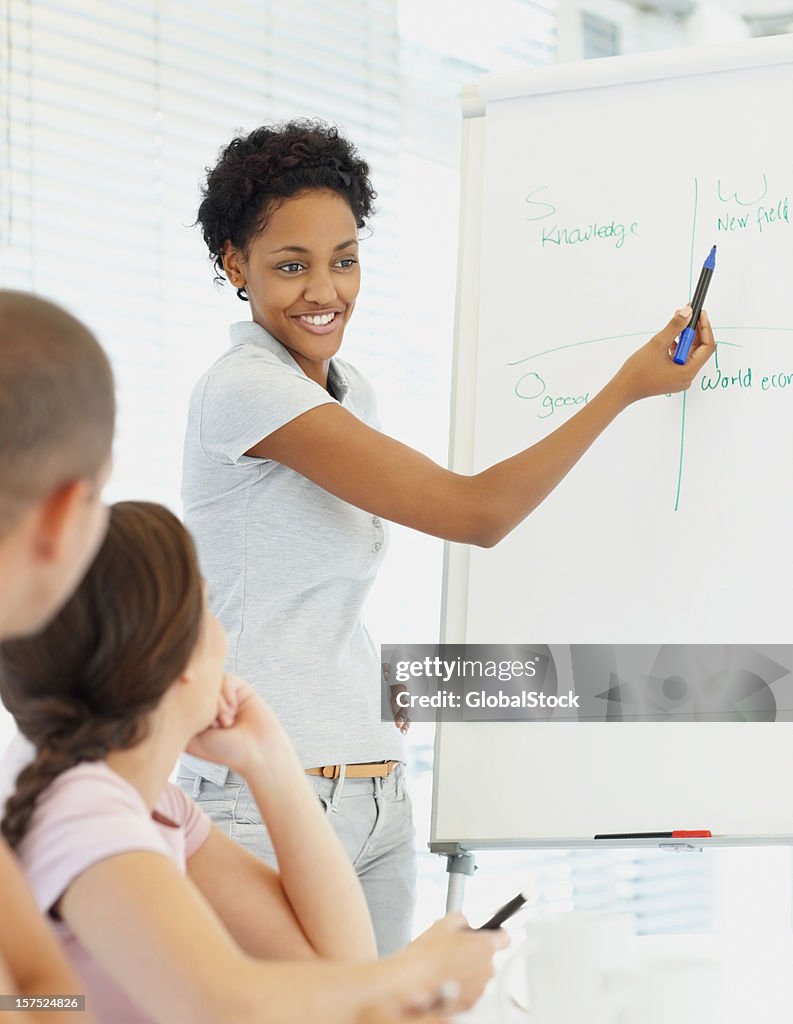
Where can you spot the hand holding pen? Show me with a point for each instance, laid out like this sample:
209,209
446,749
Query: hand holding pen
686,339
651,370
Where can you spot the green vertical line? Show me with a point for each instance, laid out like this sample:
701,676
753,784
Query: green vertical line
690,292
693,239
682,446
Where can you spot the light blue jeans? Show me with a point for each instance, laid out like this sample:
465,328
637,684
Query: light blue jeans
373,818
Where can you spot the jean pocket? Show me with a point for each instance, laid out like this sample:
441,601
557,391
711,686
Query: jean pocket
395,786
247,812
255,839
219,803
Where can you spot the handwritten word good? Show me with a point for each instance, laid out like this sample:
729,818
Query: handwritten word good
550,405
531,386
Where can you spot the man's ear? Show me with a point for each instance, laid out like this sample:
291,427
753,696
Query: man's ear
58,514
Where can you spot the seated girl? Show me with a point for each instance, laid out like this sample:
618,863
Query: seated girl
163,916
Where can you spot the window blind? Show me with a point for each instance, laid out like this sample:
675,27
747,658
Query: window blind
112,111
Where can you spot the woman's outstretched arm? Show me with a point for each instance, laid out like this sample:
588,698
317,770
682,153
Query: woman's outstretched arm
335,450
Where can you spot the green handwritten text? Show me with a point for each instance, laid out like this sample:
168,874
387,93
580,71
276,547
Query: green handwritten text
612,230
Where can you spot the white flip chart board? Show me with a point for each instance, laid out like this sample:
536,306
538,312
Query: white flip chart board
592,194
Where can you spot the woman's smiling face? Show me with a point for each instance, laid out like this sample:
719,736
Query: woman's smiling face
301,276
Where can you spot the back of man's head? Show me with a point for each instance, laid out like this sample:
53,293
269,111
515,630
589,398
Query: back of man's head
57,403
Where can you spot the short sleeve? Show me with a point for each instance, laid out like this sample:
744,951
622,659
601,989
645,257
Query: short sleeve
360,398
84,817
178,807
247,396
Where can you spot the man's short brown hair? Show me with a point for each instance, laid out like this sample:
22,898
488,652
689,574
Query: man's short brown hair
57,402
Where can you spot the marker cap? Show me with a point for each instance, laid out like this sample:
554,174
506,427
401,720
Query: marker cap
684,346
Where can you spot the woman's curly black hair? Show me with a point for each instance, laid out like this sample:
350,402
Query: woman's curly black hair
272,163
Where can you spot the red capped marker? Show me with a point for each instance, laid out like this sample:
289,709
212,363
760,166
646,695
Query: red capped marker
699,833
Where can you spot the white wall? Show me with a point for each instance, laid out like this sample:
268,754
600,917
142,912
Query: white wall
6,729
639,30
712,21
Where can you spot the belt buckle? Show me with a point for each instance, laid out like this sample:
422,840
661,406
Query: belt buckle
330,771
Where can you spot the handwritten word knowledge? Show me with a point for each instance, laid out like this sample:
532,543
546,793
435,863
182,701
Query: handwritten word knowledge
560,235
575,236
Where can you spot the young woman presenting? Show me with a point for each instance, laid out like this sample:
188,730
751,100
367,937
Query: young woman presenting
288,485
164,918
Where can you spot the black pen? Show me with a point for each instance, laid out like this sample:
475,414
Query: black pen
687,336
505,912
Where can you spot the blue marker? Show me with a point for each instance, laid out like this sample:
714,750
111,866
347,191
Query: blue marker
687,336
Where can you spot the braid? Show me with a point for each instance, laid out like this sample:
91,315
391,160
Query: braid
89,682
91,740
31,783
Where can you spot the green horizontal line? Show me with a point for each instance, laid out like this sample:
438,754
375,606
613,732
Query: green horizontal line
636,334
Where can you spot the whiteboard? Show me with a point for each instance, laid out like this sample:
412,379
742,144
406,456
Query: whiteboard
591,195
560,785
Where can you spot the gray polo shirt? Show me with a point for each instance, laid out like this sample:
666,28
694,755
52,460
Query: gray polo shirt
288,565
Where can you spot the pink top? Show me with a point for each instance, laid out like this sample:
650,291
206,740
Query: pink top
88,814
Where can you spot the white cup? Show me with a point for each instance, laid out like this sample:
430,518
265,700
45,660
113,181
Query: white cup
576,966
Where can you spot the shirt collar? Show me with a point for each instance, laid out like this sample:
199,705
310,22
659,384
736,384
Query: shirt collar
248,332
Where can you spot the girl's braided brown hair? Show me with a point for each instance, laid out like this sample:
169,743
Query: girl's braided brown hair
86,685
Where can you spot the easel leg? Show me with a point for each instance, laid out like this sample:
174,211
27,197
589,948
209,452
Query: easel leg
458,867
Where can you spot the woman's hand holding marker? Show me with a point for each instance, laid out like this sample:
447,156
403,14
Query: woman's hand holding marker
651,370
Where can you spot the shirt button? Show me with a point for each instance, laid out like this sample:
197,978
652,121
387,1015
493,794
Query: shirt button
375,521
377,546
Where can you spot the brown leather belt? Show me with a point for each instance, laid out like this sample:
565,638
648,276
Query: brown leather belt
355,771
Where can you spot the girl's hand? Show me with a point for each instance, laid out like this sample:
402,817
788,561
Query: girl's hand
651,369
450,951
244,727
